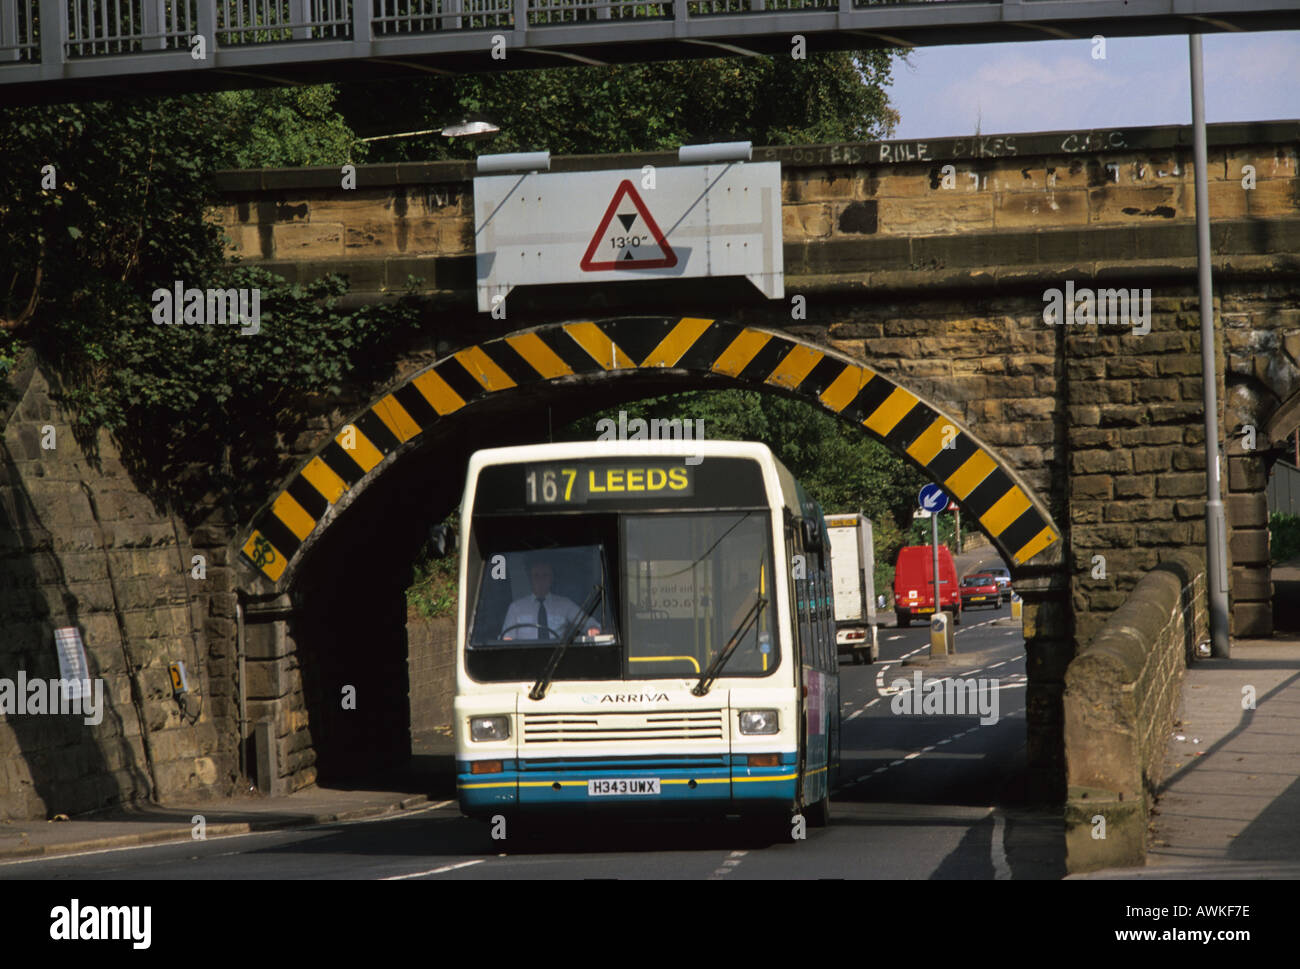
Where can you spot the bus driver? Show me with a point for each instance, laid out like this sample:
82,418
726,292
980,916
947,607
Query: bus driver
542,615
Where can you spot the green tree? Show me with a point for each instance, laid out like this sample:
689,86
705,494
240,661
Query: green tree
100,206
278,128
832,97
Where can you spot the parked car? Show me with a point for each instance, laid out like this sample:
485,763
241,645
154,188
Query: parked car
914,584
980,589
1003,575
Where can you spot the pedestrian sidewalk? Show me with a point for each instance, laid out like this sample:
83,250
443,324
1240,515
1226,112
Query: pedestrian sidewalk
431,771
1230,801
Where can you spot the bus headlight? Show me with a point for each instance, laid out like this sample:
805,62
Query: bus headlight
489,728
759,721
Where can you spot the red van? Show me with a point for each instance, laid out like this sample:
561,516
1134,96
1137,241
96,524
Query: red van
914,583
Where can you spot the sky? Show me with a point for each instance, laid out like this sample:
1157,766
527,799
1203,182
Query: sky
1057,85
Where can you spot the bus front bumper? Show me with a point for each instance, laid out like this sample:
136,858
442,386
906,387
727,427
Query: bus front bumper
729,785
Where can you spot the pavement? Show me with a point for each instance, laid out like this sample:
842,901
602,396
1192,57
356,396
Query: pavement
430,780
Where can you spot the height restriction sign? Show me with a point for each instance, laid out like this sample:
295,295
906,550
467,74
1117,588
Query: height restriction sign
628,236
624,225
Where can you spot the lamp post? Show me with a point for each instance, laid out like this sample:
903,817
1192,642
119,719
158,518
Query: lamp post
1216,551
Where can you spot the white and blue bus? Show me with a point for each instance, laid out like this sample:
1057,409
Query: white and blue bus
645,627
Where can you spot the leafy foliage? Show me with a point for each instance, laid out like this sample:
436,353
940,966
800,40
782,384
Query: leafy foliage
125,217
831,97
434,588
269,128
1284,537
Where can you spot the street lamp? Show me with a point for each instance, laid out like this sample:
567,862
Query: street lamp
470,129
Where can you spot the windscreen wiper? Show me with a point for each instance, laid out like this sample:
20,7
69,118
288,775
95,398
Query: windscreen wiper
719,661
544,682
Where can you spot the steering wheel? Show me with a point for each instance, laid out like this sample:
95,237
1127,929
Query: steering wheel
532,625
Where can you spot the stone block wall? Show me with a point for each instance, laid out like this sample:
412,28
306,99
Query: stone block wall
1120,701
432,661
401,218
81,547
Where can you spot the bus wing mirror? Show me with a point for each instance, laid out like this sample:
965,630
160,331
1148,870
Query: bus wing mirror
812,535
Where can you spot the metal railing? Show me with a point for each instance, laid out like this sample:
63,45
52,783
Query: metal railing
19,31
89,28
52,40
278,21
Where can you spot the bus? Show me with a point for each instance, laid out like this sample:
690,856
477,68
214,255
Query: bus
644,628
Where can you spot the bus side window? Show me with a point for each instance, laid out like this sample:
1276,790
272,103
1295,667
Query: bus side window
824,629
799,586
815,613
828,623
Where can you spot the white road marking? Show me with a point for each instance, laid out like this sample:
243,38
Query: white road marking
880,679
855,715
434,871
729,865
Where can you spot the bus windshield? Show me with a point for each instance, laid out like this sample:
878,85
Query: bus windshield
646,596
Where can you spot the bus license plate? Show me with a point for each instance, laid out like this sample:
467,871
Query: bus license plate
618,785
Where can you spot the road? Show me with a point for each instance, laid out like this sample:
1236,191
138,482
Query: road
920,797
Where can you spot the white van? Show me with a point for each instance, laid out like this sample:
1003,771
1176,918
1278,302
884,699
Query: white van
853,564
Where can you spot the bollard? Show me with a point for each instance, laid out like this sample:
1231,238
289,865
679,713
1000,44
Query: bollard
941,643
1016,606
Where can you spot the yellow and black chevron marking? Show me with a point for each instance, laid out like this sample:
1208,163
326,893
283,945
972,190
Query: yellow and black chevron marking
752,357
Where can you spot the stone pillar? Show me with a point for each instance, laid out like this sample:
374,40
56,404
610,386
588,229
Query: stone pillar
1251,585
1049,647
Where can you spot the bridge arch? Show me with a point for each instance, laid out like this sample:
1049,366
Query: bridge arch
659,351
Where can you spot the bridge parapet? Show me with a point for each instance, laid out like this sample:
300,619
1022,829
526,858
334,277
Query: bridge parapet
1004,189
1121,697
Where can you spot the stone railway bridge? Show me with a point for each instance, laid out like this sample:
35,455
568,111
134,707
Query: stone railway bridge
922,310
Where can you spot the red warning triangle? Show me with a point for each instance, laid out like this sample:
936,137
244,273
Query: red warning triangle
632,243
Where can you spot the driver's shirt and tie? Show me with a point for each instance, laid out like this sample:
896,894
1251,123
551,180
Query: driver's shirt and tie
551,612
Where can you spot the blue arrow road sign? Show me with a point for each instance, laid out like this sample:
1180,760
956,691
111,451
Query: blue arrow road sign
933,499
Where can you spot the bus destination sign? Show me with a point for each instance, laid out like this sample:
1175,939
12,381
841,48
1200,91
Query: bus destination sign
580,482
